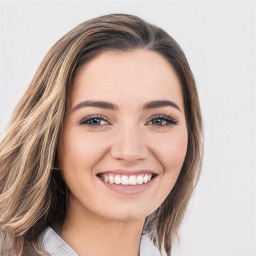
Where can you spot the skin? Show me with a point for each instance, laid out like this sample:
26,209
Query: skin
131,138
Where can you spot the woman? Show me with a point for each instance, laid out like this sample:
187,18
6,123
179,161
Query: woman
104,149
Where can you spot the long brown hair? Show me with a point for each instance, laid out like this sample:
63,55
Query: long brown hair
32,192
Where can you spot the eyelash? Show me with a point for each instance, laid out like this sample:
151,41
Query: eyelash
163,118
168,119
87,119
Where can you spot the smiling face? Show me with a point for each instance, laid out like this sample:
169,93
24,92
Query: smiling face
124,138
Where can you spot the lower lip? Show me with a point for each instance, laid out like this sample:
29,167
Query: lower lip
129,190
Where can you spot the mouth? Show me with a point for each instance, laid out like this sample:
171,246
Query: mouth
126,180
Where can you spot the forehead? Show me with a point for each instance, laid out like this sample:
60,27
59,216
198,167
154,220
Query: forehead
127,77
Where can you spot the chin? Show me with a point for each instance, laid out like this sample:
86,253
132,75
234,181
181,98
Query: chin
127,214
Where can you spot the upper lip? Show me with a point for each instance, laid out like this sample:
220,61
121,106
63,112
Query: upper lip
129,172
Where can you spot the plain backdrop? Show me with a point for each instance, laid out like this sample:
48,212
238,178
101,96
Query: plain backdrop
219,40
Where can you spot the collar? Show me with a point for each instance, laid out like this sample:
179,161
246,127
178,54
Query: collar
56,246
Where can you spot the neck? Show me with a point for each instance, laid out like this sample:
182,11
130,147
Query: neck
88,234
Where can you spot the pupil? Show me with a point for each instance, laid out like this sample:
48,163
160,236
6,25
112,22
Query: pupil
94,121
157,121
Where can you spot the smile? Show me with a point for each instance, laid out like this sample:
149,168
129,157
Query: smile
126,180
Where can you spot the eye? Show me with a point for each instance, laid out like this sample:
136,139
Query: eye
95,120
162,120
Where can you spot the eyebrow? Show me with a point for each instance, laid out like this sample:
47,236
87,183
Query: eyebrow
99,104
111,106
159,104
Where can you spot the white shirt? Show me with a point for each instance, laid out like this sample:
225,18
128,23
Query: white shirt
56,246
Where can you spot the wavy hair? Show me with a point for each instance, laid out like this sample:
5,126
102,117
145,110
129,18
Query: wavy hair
32,191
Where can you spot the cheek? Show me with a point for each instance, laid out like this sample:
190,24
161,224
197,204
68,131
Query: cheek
171,152
81,150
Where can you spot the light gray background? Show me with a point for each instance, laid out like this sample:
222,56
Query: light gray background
219,40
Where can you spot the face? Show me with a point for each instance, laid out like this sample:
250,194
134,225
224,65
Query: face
124,138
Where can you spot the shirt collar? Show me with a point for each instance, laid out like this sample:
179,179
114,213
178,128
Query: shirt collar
56,246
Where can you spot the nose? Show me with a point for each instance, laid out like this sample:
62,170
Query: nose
129,145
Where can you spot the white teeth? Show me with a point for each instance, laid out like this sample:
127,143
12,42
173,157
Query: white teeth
140,179
126,180
111,179
132,180
145,179
117,179
106,177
